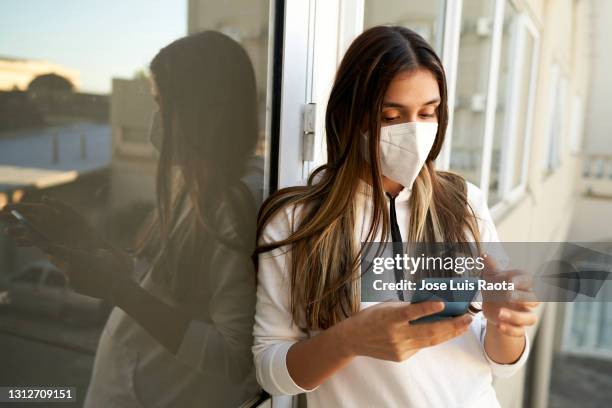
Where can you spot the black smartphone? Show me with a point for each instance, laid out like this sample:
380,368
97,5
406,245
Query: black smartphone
24,221
456,293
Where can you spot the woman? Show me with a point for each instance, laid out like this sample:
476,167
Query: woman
385,125
181,337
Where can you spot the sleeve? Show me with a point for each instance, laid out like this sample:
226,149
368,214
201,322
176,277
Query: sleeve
493,247
223,344
219,340
500,370
274,330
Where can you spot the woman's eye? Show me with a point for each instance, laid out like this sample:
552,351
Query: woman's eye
390,119
428,115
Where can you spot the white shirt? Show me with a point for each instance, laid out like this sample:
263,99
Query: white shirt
457,373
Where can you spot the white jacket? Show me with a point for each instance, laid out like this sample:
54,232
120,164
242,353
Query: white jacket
457,373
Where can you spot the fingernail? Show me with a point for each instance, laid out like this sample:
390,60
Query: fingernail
503,314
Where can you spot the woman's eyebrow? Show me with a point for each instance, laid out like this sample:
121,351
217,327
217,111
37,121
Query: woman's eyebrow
391,104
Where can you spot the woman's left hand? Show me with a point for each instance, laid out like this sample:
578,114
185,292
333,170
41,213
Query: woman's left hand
509,312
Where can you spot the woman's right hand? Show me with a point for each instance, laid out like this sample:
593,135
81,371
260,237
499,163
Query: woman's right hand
385,331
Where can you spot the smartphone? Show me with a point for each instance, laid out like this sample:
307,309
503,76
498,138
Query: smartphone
24,221
456,293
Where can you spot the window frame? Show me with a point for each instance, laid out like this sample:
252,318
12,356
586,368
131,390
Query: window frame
508,193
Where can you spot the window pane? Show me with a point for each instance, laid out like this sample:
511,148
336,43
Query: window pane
472,79
422,17
522,112
503,101
79,98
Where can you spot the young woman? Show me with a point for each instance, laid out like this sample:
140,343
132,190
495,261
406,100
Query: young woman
385,124
181,335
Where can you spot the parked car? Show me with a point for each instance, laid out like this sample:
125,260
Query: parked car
41,288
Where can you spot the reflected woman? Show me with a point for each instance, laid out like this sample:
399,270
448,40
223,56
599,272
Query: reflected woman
180,335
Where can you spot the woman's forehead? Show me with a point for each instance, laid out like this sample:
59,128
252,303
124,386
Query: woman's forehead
411,88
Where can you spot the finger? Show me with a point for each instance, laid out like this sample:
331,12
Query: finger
510,330
526,297
435,329
412,311
528,305
515,317
442,338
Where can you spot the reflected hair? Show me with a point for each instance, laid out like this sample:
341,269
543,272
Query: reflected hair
208,107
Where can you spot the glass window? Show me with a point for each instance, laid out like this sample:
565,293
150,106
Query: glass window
514,105
78,103
504,89
524,104
471,88
556,121
422,17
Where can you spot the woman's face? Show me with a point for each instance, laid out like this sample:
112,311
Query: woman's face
412,96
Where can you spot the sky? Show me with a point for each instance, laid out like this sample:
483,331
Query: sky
101,39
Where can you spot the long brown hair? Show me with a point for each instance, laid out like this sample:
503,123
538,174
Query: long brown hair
325,258
208,107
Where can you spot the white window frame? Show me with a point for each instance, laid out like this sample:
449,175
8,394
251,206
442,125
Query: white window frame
509,194
491,105
450,56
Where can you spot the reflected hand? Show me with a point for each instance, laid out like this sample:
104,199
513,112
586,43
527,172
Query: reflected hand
57,221
97,274
510,311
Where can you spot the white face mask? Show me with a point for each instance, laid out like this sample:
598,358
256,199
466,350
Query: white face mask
404,148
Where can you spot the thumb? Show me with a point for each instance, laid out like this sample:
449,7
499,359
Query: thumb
413,311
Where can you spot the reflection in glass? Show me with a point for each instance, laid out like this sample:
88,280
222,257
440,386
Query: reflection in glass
422,17
82,136
504,89
471,89
512,107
